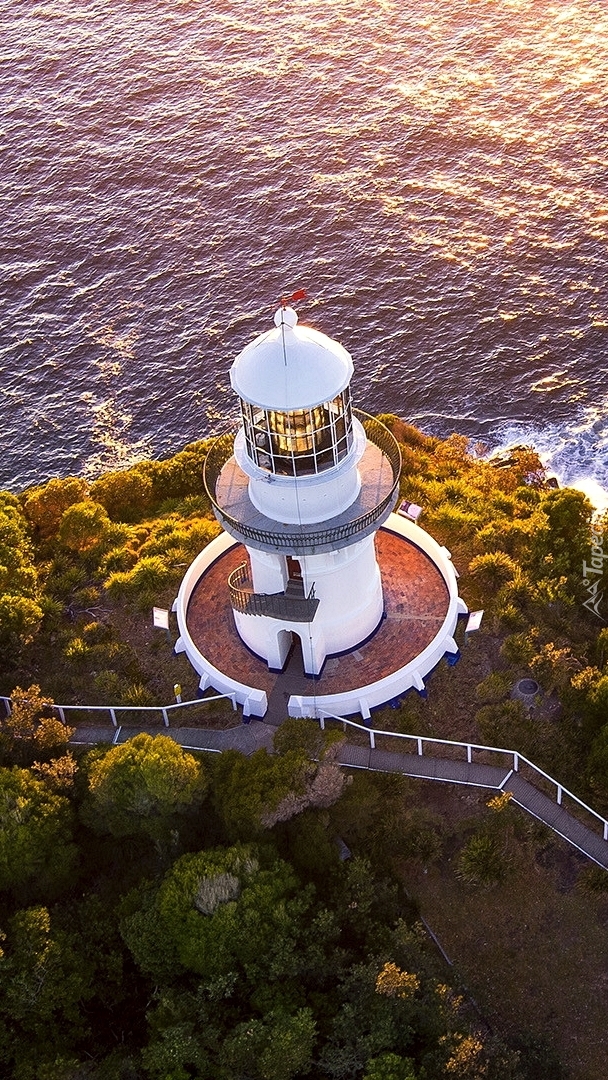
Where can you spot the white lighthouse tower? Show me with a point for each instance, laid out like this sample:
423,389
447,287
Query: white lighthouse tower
310,548
305,492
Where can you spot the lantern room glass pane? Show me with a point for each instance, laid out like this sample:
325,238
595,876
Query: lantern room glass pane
299,442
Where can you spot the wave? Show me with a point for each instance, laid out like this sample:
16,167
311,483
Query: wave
576,453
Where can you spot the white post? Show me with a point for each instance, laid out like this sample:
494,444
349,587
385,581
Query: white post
113,715
469,753
559,794
322,722
233,700
166,718
606,830
372,739
419,741
61,714
515,762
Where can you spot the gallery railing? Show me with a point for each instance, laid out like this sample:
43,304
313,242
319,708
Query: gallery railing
285,605
307,538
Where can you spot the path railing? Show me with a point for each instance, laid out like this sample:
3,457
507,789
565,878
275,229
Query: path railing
113,711
515,759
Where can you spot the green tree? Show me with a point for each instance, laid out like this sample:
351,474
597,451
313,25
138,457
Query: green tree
20,619
275,1048
43,982
45,506
83,526
226,914
390,1067
143,786
20,610
126,495
253,794
31,731
37,855
370,1023
566,542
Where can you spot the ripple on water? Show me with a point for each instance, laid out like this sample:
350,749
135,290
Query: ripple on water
435,175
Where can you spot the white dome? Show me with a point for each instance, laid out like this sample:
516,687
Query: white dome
291,367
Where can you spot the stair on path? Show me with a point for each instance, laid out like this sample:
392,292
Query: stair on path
560,820
524,794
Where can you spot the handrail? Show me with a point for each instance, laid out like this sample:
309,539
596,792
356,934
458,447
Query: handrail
420,740
280,605
469,747
113,709
220,452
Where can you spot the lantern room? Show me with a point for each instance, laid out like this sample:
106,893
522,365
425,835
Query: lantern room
301,442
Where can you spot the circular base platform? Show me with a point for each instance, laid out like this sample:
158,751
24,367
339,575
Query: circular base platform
421,610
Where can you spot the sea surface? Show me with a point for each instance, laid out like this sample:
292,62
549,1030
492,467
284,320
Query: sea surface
434,173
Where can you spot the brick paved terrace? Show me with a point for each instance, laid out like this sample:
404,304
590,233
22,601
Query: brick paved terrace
415,600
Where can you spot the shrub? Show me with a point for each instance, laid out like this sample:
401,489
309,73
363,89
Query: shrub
83,526
138,694
508,725
127,496
494,687
45,506
110,687
493,569
483,861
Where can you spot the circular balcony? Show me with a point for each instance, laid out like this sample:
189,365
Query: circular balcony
379,468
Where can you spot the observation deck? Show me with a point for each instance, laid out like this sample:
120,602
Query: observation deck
379,468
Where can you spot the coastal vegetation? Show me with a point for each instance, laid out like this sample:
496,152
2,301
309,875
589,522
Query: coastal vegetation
167,915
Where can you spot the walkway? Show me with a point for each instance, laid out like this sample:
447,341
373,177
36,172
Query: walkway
247,738
490,777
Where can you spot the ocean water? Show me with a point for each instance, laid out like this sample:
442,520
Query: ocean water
435,174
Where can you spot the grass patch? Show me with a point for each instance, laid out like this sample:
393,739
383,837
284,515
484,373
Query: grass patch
531,948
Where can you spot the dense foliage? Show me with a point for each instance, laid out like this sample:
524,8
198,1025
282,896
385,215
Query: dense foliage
167,917
185,950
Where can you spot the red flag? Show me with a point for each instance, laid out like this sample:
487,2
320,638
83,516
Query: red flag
300,294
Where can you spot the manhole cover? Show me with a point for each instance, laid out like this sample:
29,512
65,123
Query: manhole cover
529,687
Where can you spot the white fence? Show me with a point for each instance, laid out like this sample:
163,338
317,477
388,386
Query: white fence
419,741
517,759
113,711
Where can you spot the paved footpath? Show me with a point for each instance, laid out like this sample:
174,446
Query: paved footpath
247,738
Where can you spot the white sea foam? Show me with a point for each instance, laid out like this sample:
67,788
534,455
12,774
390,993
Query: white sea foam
576,453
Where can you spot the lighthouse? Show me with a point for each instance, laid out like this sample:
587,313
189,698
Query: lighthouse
304,491
311,552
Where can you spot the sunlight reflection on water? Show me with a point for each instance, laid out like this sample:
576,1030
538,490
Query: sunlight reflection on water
435,176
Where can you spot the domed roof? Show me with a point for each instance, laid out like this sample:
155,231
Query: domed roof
291,367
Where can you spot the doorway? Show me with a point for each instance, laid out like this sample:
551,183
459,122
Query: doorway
294,570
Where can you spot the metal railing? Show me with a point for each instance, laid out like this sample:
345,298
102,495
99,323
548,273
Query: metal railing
517,759
113,711
306,539
273,605
420,741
